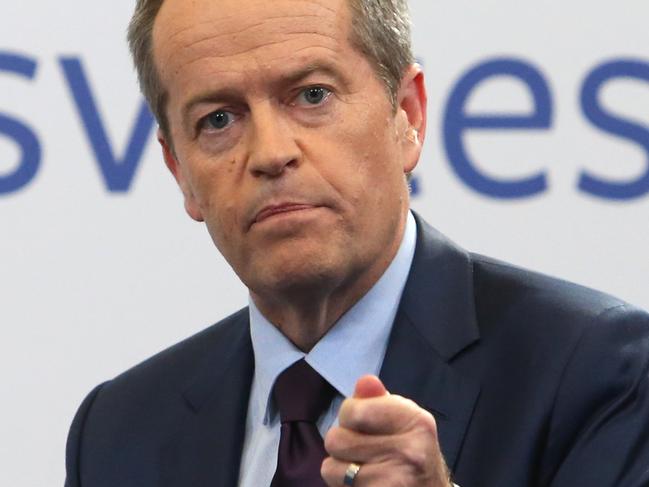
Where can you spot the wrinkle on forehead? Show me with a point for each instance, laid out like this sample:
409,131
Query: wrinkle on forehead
179,25
198,53
259,62
317,6
237,38
227,21
228,28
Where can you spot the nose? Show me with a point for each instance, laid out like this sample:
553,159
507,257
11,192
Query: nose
272,145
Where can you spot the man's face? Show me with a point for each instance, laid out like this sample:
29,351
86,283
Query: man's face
284,141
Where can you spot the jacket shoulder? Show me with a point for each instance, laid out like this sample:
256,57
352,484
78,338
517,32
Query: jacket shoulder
504,291
175,363
564,374
128,417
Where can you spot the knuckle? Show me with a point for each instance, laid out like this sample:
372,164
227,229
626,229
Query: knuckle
427,423
403,402
327,468
361,411
344,408
348,412
396,479
415,457
332,440
356,414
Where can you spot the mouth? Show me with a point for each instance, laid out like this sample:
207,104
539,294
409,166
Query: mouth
280,209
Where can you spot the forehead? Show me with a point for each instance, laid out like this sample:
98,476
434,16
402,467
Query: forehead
236,36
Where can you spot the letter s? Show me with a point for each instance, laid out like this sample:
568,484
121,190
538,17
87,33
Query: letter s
18,131
614,125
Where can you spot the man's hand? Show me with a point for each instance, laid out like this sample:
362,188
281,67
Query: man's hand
390,437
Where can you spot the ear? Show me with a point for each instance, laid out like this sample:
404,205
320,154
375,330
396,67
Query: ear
191,205
411,113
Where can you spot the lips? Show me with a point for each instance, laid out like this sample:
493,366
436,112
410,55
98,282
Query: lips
271,210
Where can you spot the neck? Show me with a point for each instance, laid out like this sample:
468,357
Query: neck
305,315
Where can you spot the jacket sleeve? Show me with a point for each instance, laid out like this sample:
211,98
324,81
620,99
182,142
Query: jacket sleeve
75,439
599,433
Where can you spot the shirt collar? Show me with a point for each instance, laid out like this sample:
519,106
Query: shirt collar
355,346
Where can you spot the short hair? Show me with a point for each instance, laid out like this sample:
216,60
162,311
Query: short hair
380,31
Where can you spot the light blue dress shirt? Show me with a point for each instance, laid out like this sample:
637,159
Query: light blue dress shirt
354,347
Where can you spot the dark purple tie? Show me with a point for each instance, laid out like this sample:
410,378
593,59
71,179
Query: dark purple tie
301,396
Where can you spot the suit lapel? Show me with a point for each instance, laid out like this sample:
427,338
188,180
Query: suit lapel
206,452
436,321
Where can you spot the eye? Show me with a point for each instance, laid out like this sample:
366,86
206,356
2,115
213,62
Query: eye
218,120
314,95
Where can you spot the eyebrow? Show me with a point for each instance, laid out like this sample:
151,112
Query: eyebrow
290,78
306,71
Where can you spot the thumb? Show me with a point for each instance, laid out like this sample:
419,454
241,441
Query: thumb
369,386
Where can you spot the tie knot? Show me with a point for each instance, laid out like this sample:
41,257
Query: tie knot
301,394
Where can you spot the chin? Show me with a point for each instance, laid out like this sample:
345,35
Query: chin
296,274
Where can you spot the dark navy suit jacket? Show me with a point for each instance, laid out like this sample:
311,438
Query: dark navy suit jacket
533,382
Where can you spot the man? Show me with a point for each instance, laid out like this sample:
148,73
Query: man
290,127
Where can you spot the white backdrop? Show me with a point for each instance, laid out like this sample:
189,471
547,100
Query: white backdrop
93,281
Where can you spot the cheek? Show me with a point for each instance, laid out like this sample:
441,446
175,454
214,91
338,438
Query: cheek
222,224
374,158
213,186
